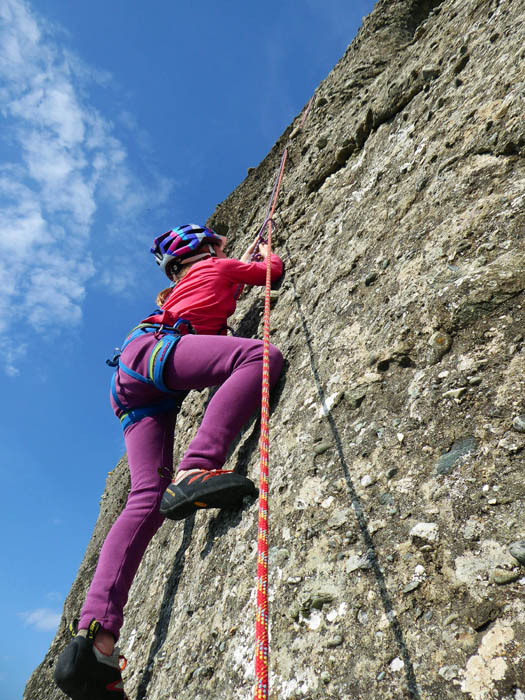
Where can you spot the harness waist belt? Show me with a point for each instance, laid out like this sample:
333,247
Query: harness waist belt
168,337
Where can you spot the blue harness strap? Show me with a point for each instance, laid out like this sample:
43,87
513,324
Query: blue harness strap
136,414
157,360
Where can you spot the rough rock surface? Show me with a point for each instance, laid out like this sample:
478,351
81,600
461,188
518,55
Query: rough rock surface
397,457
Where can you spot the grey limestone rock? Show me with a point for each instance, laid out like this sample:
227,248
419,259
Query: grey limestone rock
414,152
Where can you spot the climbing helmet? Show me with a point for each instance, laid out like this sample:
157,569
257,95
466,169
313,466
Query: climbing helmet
181,246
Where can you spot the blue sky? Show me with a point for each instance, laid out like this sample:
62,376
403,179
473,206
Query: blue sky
120,120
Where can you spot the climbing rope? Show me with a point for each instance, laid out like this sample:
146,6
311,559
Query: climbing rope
261,625
277,182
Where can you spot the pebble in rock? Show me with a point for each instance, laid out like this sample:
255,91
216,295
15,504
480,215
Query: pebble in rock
519,423
386,499
425,532
334,641
411,586
454,393
509,444
320,595
440,343
203,672
517,549
481,614
449,672
354,397
362,617
322,447
461,447
397,664
450,619
501,576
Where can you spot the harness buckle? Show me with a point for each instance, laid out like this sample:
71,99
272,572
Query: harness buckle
117,352
183,327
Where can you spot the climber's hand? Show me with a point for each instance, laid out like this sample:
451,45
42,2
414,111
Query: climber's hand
263,251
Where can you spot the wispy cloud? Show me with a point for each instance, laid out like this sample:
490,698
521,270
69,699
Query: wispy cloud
42,619
63,164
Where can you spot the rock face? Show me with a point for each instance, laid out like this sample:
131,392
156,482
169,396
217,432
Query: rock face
396,448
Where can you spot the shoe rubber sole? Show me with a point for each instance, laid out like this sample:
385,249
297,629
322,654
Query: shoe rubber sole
81,676
221,491
74,668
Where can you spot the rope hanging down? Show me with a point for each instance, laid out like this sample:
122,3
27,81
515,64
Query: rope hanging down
261,627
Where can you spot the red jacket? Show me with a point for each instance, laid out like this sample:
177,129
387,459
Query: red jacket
207,294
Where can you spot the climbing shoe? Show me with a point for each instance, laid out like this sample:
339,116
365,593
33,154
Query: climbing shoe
85,673
205,489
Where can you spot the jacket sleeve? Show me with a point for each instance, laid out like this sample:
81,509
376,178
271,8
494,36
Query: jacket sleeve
251,273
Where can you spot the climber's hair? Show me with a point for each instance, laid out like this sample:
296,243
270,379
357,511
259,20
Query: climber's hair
171,270
163,295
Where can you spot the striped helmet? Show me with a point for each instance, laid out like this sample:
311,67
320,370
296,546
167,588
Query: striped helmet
181,246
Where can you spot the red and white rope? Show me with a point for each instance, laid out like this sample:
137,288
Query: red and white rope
262,620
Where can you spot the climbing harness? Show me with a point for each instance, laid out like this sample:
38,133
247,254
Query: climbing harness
168,337
261,623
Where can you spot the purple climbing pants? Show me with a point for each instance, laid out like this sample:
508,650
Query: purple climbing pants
198,361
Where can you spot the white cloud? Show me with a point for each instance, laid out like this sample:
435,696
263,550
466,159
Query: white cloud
119,281
64,165
42,619
11,354
17,44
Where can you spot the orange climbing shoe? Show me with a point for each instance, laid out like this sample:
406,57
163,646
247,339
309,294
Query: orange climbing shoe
205,489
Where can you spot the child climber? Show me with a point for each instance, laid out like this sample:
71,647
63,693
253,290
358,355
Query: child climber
181,346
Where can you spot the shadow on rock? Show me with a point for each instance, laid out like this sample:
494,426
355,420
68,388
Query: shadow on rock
170,591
